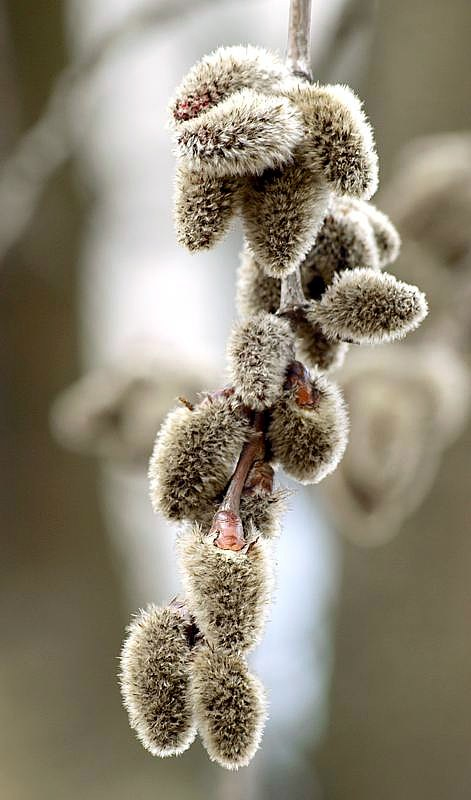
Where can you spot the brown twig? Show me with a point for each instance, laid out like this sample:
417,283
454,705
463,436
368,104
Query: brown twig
298,58
227,524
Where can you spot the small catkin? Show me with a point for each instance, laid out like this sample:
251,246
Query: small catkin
368,307
155,681
228,592
345,241
282,212
309,441
339,139
221,73
243,135
203,208
194,454
229,704
259,351
256,291
388,241
315,350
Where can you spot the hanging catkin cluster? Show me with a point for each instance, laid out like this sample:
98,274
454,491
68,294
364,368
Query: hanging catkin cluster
297,161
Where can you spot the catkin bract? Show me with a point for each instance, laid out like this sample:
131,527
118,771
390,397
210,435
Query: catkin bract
229,705
155,681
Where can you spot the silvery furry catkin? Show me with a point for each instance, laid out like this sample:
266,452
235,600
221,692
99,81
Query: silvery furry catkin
155,680
203,208
194,454
283,211
229,705
222,73
259,351
227,592
243,135
308,429
354,235
365,306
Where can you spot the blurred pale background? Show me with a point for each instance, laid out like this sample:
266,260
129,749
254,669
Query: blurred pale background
368,654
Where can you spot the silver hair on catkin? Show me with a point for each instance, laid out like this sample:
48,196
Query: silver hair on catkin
365,306
229,705
193,456
155,681
222,73
244,135
228,592
203,208
259,351
308,429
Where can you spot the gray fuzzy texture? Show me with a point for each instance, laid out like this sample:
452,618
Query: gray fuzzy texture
282,212
194,455
314,349
339,139
229,705
228,592
388,241
203,208
354,234
259,351
222,73
309,442
155,681
368,307
256,291
243,135
346,240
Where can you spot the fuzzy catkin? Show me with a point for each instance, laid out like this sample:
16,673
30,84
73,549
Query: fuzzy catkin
256,291
203,208
194,455
282,212
314,349
227,592
229,705
309,442
365,306
243,135
388,241
345,241
155,681
339,139
259,351
222,73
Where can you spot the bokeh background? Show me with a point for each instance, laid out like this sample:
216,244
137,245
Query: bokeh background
368,655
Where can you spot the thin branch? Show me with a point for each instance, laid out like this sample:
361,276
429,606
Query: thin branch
298,58
227,524
298,55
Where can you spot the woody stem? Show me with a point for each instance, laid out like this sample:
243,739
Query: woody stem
298,58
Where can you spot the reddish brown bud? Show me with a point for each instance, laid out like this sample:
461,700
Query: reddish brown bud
230,533
299,379
192,105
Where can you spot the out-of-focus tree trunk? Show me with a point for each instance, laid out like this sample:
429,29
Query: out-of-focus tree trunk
400,698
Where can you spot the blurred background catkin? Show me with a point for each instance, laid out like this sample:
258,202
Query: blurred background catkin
367,658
